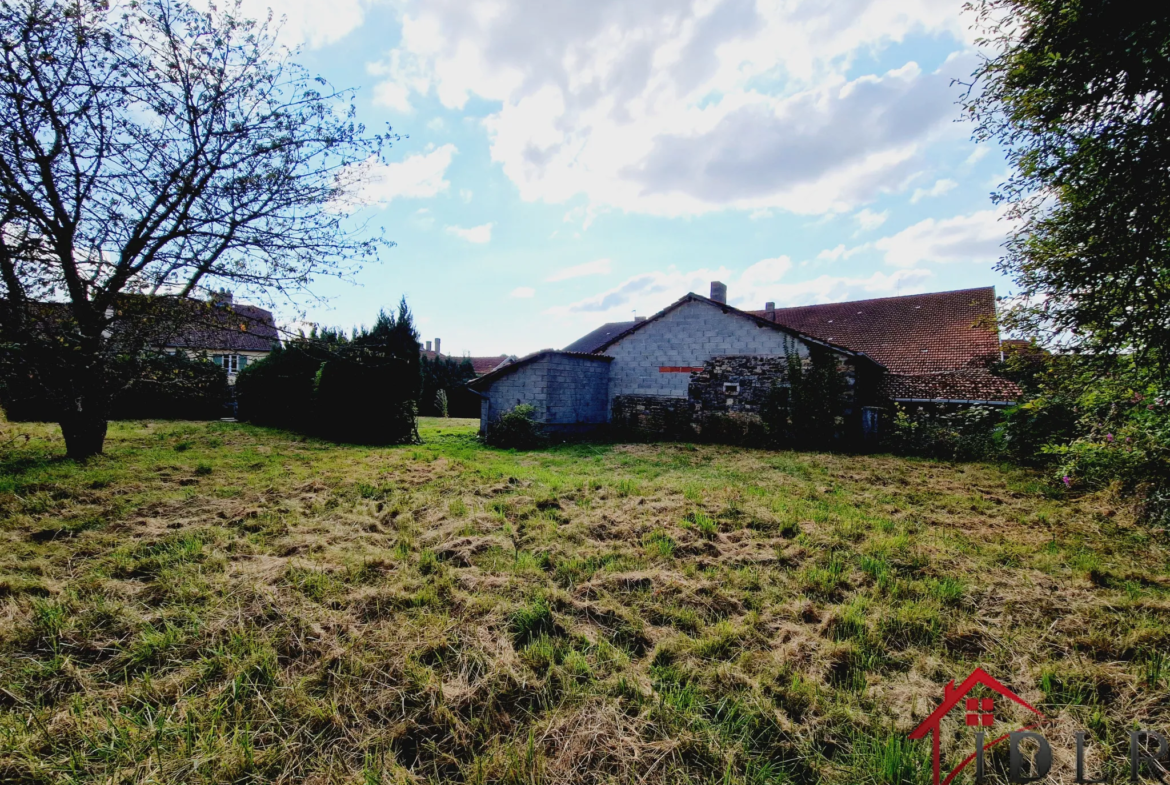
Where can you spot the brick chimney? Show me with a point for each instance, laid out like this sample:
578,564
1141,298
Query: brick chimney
639,318
436,346
719,292
769,307
428,346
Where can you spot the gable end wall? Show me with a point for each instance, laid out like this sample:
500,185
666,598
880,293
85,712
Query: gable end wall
567,392
688,336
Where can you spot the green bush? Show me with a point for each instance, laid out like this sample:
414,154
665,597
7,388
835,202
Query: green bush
955,434
355,403
808,411
448,376
361,389
1093,423
278,389
173,387
152,386
516,429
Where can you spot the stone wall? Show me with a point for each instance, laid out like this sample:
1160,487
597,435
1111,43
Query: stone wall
741,384
568,392
657,359
653,416
736,383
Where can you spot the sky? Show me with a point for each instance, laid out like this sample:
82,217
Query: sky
566,163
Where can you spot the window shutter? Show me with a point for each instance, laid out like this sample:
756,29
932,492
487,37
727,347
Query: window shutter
217,359
243,361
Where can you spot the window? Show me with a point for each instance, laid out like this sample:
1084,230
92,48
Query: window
731,388
232,363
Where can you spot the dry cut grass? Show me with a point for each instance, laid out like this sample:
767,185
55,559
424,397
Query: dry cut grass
214,603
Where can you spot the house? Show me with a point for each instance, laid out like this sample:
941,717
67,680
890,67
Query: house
701,358
696,358
230,335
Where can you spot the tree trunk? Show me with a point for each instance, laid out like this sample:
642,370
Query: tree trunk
85,434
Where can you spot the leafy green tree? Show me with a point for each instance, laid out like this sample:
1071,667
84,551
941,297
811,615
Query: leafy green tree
152,148
1075,91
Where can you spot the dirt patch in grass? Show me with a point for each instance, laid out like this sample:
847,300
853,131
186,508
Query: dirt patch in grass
213,602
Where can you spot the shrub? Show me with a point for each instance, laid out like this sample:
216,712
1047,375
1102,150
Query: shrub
441,404
362,389
355,403
808,411
1095,422
448,376
516,429
278,389
966,434
155,386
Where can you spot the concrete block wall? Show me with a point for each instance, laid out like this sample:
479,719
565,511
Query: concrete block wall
687,337
577,391
567,392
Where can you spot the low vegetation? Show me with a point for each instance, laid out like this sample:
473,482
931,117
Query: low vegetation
211,603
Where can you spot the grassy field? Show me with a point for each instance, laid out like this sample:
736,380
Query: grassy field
214,603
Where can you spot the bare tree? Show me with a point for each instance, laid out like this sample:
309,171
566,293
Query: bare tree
150,152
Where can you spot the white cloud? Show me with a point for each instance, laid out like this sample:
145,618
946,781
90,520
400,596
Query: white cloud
938,189
675,107
315,23
417,177
465,195
868,220
977,237
596,267
977,155
841,252
835,289
645,293
523,292
402,76
474,234
422,218
763,281
436,124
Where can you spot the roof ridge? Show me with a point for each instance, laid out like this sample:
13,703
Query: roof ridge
691,296
892,297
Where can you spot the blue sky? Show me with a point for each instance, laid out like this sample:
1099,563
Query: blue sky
576,162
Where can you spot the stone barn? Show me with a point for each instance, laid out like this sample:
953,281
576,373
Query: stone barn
672,371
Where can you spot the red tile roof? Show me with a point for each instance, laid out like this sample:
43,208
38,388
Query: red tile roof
937,346
917,333
965,384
